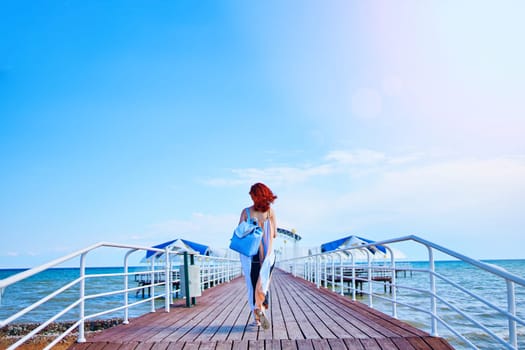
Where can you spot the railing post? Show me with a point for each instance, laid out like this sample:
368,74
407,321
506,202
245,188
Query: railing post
305,267
353,276
209,273
202,272
511,306
311,269
324,259
228,271
167,280
333,272
393,283
223,272
81,338
152,284
433,302
370,290
317,271
126,286
341,273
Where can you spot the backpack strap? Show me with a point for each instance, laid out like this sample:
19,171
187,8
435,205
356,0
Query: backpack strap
248,214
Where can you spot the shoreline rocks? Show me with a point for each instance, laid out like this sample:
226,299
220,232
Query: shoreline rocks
13,332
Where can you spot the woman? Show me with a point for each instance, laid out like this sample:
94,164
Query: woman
257,268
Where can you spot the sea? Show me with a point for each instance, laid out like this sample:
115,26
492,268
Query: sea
20,295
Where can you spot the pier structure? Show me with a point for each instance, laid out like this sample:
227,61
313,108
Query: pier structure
302,316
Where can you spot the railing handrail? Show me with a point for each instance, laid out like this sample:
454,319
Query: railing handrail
224,269
315,268
482,265
35,270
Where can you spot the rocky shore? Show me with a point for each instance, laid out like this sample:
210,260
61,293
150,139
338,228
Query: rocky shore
10,334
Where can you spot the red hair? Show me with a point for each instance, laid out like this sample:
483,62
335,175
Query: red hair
262,197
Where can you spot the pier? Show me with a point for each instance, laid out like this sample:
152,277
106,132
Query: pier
302,317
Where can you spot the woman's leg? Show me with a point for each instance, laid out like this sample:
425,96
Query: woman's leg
246,263
254,280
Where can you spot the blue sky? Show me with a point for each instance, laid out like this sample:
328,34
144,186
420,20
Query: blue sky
140,122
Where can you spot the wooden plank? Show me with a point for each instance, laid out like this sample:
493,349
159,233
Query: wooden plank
159,346
124,330
186,316
304,344
418,343
336,344
240,345
208,345
205,319
299,316
338,326
230,324
370,344
384,324
145,329
353,344
80,346
224,345
144,346
272,344
359,326
175,346
120,346
305,313
386,344
278,325
302,317
245,324
191,345
320,344
402,343
184,326
97,346
292,327
341,326
437,343
256,344
217,321
288,344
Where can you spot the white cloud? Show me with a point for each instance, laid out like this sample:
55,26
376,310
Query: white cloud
274,175
336,162
444,187
356,157
381,196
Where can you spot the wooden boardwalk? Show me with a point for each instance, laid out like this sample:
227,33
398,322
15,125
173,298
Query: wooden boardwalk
302,317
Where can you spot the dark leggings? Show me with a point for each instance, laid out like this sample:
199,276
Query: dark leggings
254,276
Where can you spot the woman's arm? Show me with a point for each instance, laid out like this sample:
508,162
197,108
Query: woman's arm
243,216
273,222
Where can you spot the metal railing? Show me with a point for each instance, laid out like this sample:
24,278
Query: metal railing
213,271
341,271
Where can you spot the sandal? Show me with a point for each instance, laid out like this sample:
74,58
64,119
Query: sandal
257,319
265,323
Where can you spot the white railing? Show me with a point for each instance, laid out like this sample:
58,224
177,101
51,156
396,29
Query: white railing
162,285
341,271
